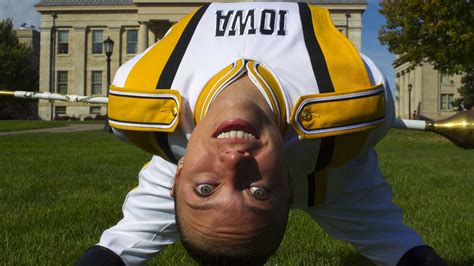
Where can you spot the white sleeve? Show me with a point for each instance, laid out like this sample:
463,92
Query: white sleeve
148,223
377,77
360,210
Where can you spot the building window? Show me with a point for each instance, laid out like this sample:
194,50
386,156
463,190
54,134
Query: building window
447,101
97,39
59,110
94,110
62,82
446,79
132,40
63,42
96,79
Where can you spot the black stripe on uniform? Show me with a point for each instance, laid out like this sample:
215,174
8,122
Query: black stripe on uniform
162,139
324,158
316,56
321,74
171,67
325,153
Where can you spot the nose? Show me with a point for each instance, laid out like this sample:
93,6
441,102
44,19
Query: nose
240,167
233,158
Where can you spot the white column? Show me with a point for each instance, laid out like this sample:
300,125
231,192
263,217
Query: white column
407,94
419,86
151,36
401,97
397,95
44,107
411,77
114,34
142,37
79,62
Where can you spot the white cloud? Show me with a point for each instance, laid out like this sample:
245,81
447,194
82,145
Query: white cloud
22,11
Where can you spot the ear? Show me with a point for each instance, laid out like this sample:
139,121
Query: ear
179,168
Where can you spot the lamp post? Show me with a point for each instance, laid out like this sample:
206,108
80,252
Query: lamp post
410,87
348,15
108,47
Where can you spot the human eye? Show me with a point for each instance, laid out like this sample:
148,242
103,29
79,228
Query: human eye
259,193
205,190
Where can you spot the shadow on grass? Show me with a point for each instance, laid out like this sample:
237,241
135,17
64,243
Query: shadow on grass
355,258
462,262
351,258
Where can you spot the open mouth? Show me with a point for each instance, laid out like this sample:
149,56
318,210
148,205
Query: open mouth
236,129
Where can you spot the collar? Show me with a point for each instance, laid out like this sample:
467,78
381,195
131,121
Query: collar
263,79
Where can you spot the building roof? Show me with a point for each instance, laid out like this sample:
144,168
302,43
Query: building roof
130,2
83,2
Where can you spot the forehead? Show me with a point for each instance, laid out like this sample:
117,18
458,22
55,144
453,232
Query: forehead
224,219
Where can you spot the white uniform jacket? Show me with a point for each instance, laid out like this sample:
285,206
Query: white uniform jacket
331,103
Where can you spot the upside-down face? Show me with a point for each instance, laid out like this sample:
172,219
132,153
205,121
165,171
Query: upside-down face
234,185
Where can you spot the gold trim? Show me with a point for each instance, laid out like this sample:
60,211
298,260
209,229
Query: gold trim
210,89
145,112
274,92
341,113
7,93
459,129
263,76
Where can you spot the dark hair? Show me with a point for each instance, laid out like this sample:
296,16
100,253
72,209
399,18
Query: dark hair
236,257
219,253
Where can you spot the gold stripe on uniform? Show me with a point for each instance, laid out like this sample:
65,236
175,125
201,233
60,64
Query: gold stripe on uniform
348,74
145,112
146,141
331,114
345,66
321,181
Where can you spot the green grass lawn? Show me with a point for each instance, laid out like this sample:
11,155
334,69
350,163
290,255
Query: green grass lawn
16,125
58,192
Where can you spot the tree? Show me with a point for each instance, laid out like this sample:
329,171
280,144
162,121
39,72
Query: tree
467,90
17,69
435,31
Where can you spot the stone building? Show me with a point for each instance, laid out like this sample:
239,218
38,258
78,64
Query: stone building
31,38
425,91
75,29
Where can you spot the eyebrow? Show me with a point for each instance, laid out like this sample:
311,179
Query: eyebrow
201,207
212,205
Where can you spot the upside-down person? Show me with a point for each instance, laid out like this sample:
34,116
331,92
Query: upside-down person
250,108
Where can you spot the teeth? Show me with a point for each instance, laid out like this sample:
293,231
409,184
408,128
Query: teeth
235,134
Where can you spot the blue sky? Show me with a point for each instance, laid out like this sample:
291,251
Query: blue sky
23,11
372,20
